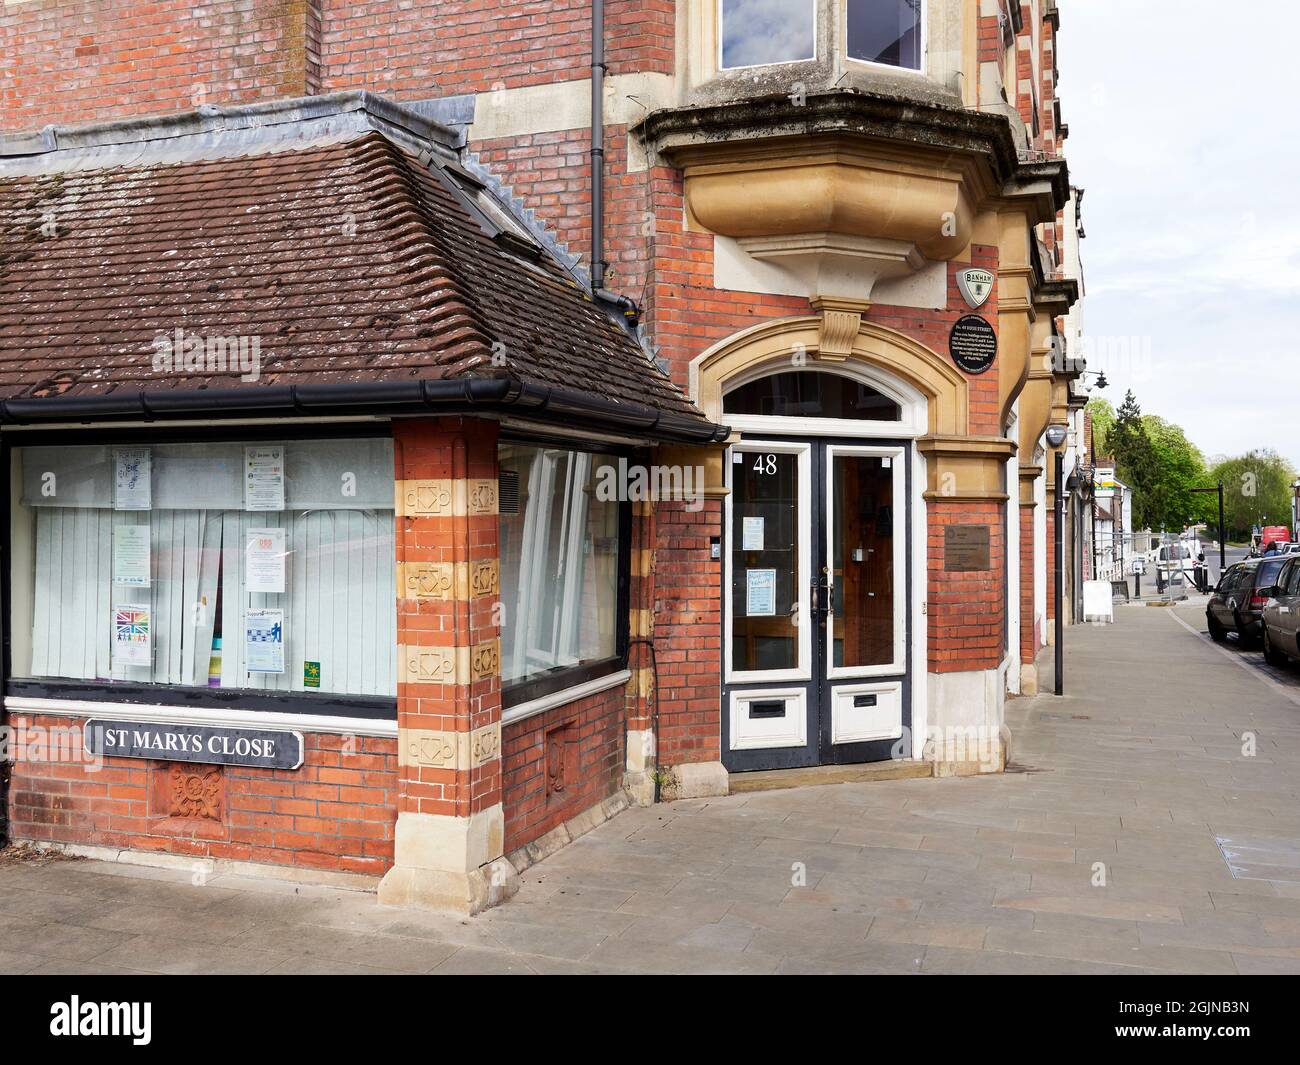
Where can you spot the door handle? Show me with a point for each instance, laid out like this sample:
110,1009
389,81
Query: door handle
821,597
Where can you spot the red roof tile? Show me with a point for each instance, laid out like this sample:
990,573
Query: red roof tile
345,263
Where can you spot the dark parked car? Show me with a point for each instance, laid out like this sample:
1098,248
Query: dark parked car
1282,616
1237,602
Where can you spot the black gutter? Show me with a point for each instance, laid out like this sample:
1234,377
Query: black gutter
471,395
598,68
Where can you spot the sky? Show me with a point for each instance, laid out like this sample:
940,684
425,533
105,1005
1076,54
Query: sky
1185,135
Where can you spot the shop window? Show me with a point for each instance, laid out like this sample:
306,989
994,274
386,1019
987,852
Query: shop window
885,31
760,32
563,568
259,567
808,394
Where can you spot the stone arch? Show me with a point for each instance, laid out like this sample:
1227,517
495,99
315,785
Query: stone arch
873,347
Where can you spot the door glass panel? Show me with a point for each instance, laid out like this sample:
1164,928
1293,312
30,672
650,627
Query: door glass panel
765,561
862,561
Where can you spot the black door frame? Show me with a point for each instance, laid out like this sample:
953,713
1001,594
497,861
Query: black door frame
819,749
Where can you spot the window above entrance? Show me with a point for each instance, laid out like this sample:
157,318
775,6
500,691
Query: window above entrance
805,394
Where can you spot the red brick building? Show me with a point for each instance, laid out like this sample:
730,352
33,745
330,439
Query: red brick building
517,495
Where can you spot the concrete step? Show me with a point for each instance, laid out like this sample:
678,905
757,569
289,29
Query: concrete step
776,779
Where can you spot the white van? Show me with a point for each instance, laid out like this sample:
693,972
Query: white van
1180,556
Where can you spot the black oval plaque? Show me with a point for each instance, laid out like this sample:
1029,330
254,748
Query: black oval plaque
972,344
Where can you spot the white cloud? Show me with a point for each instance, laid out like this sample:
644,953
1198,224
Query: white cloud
1183,132
766,31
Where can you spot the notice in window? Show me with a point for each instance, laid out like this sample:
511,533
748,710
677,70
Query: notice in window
264,557
131,555
132,635
752,534
264,641
264,478
132,478
760,593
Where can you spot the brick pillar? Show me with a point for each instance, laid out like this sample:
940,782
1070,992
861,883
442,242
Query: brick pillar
1050,567
450,833
1028,628
640,762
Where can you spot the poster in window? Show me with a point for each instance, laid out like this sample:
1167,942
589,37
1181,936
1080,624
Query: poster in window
264,556
264,478
132,478
131,555
752,534
760,593
264,641
132,635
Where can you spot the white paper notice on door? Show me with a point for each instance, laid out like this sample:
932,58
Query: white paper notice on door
264,556
132,635
760,593
131,555
132,478
264,478
264,641
752,534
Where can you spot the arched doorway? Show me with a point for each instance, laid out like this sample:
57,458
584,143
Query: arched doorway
823,547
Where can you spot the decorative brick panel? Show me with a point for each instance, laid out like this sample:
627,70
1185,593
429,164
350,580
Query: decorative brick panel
966,619
336,812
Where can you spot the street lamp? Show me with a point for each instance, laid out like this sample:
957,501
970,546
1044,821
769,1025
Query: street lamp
1056,435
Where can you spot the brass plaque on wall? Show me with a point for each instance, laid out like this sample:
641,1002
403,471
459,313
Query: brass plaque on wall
966,548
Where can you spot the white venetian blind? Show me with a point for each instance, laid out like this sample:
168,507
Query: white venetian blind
339,598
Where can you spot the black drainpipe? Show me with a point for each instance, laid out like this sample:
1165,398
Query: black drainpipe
597,145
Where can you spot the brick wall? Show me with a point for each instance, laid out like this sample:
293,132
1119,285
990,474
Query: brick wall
421,50
1050,566
687,629
559,763
966,611
335,813
81,62
1029,635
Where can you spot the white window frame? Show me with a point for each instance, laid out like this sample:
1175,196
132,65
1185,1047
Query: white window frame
897,665
803,466
722,35
871,63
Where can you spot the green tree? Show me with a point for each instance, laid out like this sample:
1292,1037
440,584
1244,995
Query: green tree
1102,415
1136,463
1180,468
1256,491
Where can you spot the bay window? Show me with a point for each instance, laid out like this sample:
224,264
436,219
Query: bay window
261,566
753,33
564,568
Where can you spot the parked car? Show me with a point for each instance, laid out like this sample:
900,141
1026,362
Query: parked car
1282,615
1237,602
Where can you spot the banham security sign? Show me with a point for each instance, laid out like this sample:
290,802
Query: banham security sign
973,344
976,286
211,745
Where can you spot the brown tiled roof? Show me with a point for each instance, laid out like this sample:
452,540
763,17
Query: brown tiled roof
350,262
